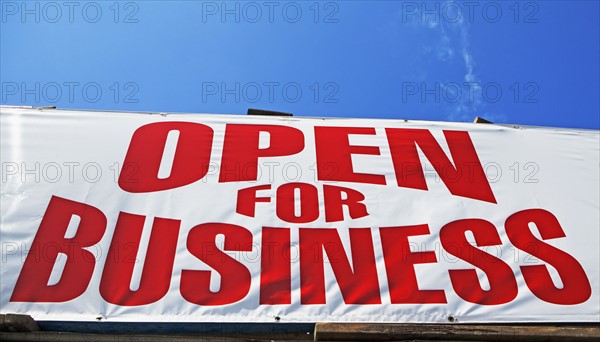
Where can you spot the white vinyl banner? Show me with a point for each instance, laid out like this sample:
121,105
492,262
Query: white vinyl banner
226,218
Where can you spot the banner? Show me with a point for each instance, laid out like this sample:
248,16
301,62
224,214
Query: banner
225,218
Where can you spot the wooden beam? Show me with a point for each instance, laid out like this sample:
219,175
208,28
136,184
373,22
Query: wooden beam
454,332
481,120
17,323
252,111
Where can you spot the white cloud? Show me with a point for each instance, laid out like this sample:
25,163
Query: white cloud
454,36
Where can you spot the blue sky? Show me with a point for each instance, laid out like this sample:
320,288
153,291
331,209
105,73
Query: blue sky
530,63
